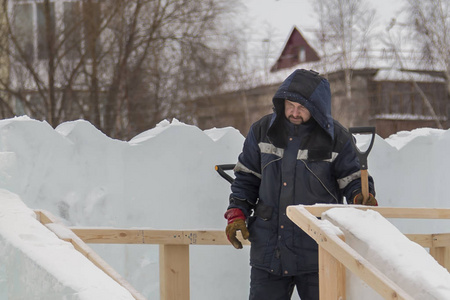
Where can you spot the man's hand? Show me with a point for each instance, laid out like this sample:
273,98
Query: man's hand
236,221
370,202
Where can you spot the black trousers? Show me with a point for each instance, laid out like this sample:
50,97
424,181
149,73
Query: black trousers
266,286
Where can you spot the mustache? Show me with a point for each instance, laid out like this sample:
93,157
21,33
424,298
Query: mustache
296,118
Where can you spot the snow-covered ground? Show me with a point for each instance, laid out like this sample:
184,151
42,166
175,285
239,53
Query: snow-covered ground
164,178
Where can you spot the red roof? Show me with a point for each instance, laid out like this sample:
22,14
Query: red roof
295,51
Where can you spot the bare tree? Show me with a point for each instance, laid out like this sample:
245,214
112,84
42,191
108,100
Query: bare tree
122,65
423,39
344,34
429,23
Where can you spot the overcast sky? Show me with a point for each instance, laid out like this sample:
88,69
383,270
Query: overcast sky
283,14
276,18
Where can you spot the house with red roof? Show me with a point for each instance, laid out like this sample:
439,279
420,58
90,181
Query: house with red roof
390,96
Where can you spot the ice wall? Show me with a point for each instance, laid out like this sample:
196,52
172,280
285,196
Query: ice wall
410,169
164,178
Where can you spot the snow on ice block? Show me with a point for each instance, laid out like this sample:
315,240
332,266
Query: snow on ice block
35,264
406,263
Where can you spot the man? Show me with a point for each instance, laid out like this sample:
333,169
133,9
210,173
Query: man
297,155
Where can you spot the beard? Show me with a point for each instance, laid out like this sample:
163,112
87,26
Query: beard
296,121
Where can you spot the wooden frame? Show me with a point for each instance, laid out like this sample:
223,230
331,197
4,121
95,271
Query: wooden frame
334,254
53,224
174,271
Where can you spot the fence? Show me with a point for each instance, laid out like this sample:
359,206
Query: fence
334,254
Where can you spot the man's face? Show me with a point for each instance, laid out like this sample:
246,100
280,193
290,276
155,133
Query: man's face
296,113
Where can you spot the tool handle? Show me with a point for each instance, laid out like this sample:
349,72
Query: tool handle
221,170
362,155
365,185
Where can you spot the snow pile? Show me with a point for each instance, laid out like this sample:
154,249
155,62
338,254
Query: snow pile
403,261
164,178
36,264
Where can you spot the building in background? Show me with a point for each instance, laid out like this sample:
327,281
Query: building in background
85,78
382,94
114,63
295,51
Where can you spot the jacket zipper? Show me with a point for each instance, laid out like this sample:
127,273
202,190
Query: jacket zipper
317,177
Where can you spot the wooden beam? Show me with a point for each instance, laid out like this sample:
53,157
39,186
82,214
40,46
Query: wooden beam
441,240
441,249
174,272
46,217
331,276
151,236
175,243
65,234
442,256
424,240
345,254
129,236
389,212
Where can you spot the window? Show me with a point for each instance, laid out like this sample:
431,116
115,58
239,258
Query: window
29,16
81,28
23,28
38,27
72,29
302,54
45,29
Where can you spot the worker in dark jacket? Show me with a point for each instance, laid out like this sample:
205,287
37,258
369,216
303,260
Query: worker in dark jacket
297,155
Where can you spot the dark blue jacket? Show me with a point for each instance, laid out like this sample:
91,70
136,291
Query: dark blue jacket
284,164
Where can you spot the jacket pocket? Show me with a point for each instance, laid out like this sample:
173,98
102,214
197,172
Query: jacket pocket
264,211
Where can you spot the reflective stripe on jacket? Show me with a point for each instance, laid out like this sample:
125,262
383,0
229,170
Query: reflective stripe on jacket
282,164
313,168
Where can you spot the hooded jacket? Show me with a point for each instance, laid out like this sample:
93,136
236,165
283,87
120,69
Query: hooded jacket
283,164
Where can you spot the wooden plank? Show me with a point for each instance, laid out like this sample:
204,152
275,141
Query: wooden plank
389,212
174,272
95,235
68,236
331,276
346,255
442,256
151,236
128,236
209,237
441,249
441,240
424,240
46,217
413,213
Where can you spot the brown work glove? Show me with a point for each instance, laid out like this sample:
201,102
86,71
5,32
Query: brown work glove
236,221
370,202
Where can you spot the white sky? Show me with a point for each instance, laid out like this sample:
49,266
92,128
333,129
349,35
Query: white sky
276,18
284,14
165,179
